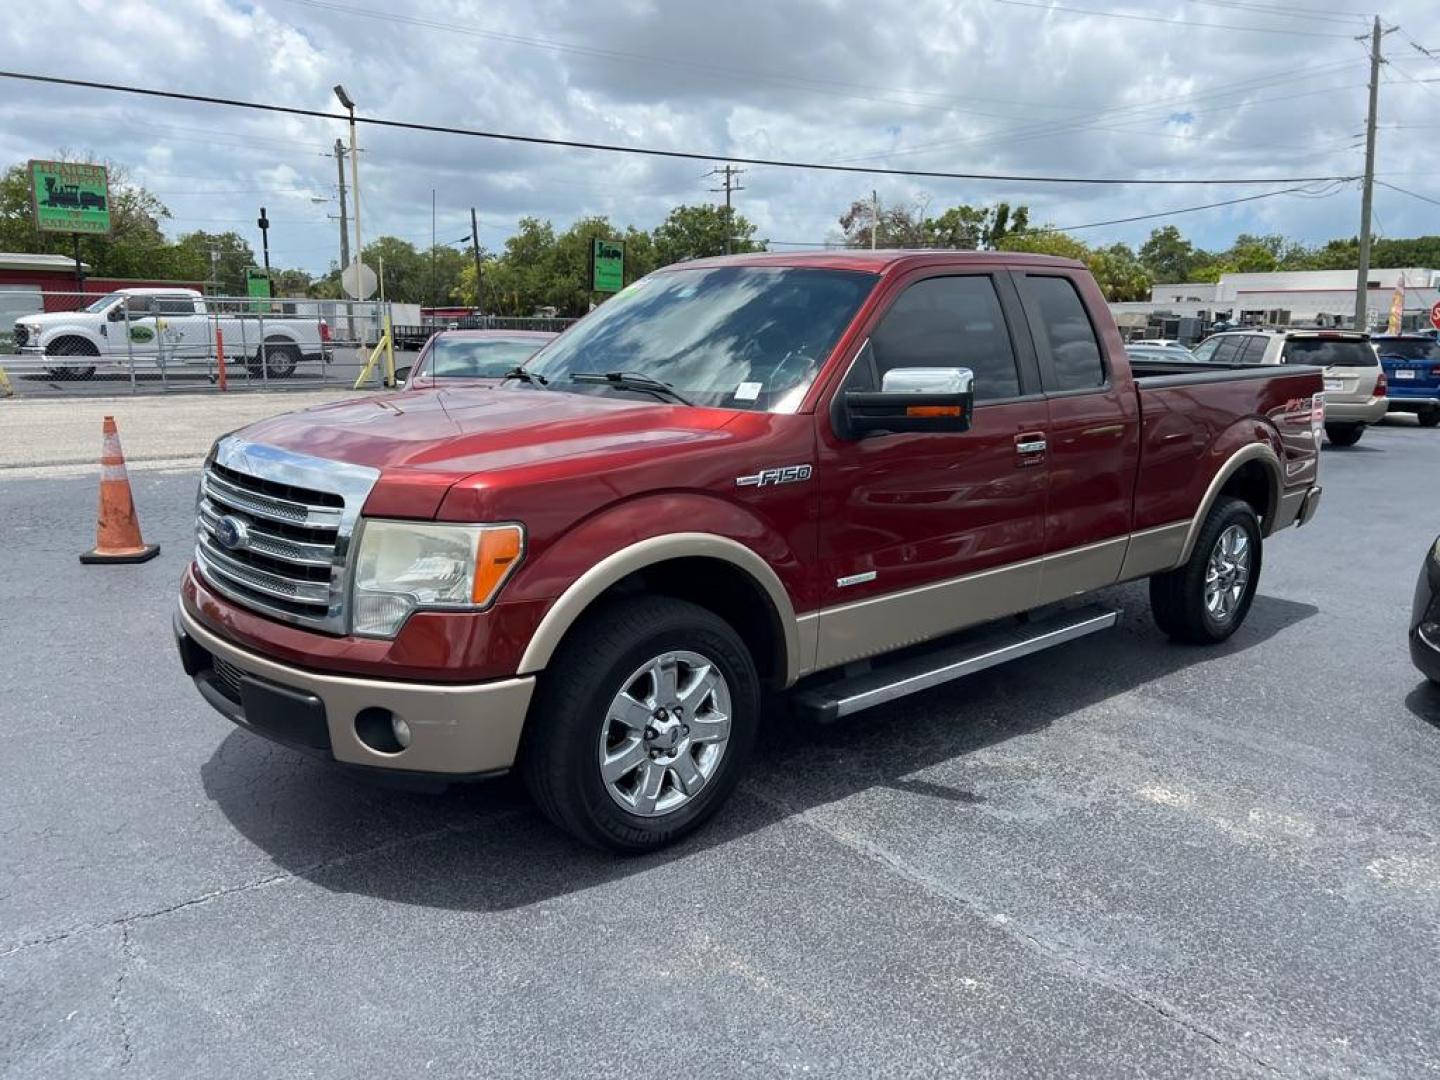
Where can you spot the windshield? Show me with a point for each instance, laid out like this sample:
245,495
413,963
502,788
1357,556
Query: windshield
456,357
1330,352
1409,349
102,303
739,337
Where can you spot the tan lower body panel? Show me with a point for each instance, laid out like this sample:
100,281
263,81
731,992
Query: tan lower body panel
453,729
1152,550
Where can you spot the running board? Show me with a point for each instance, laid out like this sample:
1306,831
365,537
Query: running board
985,648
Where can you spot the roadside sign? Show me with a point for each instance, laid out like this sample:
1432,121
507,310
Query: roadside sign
1435,315
67,196
257,286
607,265
358,281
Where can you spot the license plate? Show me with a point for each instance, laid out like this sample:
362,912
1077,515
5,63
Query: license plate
1405,373
1333,384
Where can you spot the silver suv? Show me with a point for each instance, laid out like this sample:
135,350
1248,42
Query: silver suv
1355,389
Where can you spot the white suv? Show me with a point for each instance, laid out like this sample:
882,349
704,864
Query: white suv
1354,381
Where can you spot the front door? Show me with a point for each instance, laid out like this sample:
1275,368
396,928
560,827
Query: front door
921,533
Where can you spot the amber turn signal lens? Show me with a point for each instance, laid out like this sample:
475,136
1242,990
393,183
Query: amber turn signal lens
498,552
933,410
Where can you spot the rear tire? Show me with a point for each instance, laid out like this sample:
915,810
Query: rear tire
588,757
279,356
1344,434
1428,417
1207,599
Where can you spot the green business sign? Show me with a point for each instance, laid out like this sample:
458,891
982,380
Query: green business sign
257,286
70,197
607,265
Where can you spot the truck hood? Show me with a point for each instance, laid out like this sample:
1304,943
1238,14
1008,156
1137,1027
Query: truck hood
425,441
56,318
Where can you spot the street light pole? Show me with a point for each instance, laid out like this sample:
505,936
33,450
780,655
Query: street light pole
264,224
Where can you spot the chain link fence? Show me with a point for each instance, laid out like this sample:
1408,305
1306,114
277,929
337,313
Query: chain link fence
157,340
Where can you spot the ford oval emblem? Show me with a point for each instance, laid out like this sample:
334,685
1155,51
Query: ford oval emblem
231,533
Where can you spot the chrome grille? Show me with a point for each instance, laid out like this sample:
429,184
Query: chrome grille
288,519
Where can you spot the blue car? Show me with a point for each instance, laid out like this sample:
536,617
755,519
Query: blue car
1412,368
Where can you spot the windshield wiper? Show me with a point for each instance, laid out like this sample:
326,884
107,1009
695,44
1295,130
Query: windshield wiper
525,376
633,380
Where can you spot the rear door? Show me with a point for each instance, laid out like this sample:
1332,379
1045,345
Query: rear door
183,328
1351,366
1093,436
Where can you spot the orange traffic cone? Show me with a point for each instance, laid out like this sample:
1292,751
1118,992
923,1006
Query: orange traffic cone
117,533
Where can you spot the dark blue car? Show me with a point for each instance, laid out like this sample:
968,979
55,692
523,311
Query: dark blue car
1412,368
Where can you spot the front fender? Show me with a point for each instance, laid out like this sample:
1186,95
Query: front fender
50,334
580,565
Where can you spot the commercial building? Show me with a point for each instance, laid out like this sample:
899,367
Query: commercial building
1285,298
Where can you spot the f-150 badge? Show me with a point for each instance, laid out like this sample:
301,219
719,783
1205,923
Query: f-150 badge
784,474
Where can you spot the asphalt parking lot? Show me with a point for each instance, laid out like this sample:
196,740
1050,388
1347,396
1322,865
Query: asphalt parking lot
1120,858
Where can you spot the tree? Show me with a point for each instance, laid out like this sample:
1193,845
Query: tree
699,232
1120,275
897,226
220,259
1045,242
1168,256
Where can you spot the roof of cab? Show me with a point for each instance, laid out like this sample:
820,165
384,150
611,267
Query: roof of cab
879,261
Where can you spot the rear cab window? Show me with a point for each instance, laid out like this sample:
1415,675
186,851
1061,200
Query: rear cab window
1329,352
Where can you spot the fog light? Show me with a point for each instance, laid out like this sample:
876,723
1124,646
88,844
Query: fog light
401,731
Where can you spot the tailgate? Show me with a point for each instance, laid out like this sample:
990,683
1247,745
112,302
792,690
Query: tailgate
1351,365
1412,366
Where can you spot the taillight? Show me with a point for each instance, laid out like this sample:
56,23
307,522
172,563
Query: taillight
1435,373
1380,385
1317,415
324,331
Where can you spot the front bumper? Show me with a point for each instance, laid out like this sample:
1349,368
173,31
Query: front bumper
457,731
1425,618
1352,412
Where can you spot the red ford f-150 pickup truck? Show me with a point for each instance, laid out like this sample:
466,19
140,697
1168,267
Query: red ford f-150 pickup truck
817,473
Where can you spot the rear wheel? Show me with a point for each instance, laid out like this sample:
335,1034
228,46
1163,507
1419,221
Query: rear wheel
1428,417
1344,434
280,357
1206,600
642,724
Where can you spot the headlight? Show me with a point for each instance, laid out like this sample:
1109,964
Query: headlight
405,566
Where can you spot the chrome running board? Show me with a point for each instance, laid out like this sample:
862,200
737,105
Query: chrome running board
983,648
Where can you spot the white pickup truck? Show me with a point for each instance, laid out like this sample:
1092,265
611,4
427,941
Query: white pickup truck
154,327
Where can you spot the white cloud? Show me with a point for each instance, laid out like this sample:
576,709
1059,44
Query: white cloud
973,86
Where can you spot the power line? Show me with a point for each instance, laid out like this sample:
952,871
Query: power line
1169,22
1287,11
648,151
1405,191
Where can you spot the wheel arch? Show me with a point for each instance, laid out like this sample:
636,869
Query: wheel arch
740,586
1251,473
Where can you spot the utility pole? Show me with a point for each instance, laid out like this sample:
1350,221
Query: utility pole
730,184
264,223
344,218
1367,191
475,241
874,216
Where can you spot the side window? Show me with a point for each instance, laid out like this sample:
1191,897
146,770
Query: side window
1205,351
945,322
1074,348
1228,351
1254,352
141,305
175,305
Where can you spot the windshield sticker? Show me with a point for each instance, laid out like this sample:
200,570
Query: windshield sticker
748,391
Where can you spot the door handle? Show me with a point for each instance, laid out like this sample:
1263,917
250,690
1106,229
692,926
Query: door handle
1030,442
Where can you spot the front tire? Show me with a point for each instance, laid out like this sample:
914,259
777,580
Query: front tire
1344,434
642,724
1206,600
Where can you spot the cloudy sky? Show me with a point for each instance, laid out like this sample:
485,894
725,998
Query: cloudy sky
1161,90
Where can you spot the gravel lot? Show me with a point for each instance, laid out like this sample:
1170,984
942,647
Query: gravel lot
1120,858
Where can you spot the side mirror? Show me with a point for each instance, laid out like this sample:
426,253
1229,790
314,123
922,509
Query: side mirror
117,314
912,399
